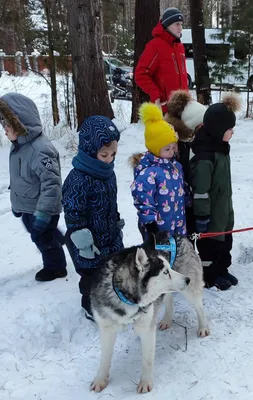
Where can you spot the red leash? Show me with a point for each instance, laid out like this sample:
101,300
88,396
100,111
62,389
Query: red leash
197,236
213,234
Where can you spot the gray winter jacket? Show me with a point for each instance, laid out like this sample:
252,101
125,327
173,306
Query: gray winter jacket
35,177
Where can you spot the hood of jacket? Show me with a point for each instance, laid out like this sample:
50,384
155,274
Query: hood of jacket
159,32
22,114
134,159
141,161
95,132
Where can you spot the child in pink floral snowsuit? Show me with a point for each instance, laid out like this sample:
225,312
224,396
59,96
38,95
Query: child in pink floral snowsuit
158,188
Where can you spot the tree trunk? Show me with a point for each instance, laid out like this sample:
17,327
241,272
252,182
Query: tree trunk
229,4
9,11
146,17
55,110
202,80
88,66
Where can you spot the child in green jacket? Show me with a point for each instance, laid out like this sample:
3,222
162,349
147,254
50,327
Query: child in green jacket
212,190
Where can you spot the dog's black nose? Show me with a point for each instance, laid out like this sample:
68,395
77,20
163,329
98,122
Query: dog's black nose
187,281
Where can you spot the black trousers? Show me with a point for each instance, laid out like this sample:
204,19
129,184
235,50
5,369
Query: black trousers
87,275
190,220
216,257
49,242
85,283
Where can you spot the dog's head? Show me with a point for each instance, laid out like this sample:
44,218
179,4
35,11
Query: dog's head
145,274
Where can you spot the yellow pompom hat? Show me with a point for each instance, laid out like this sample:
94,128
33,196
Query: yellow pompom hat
158,132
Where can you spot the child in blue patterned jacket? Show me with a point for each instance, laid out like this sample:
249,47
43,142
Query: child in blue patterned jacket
90,202
158,187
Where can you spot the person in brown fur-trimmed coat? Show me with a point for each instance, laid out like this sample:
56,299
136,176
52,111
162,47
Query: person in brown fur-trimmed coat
186,115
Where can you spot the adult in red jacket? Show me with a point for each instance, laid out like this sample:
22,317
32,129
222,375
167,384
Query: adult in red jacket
161,68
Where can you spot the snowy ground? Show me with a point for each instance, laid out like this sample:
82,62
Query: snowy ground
49,351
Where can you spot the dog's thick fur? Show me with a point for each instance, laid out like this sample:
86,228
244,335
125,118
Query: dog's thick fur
143,275
188,263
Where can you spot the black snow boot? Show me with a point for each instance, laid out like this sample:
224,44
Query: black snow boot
222,284
231,278
46,275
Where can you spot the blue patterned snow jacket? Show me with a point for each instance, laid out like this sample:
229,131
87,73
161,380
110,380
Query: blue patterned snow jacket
158,192
90,193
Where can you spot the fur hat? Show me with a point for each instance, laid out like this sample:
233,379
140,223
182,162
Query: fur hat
170,16
185,114
158,132
220,117
193,114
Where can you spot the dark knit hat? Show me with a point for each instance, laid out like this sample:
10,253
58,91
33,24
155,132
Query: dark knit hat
170,16
220,117
95,132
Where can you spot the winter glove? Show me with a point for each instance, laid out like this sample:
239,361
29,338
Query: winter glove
83,240
121,223
152,228
16,214
41,220
201,224
158,103
187,195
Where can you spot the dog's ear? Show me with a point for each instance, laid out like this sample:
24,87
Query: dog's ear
141,259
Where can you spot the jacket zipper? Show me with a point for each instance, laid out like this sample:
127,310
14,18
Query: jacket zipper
182,60
152,62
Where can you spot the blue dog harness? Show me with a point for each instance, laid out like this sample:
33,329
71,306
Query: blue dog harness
122,297
125,300
171,248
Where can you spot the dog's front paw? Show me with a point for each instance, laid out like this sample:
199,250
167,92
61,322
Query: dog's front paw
203,332
164,324
99,384
145,386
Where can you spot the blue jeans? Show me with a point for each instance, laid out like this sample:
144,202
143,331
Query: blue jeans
48,241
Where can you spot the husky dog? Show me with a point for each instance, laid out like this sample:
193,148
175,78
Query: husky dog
188,263
129,289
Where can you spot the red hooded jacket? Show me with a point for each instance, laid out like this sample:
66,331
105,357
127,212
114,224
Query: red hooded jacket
161,68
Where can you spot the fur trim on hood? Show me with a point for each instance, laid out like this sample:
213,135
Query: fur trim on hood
134,160
232,101
12,119
177,102
184,134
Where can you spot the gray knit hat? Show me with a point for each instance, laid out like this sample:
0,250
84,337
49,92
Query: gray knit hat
170,16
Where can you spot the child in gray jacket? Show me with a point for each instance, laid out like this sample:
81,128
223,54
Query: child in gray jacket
35,181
